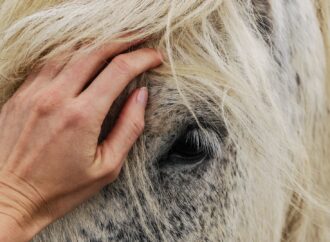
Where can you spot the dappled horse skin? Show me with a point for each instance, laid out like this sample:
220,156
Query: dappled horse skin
236,141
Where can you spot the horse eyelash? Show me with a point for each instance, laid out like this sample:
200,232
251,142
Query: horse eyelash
206,140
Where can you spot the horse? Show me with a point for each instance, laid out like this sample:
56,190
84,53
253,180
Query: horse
236,140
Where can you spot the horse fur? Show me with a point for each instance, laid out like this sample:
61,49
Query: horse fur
251,77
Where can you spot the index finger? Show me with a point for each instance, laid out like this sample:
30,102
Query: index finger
115,77
83,66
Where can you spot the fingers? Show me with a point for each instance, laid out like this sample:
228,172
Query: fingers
40,77
75,74
84,66
114,78
126,131
50,70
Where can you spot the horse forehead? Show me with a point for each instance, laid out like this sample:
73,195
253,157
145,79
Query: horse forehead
164,104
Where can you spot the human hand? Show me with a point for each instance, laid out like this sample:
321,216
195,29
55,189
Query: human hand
50,160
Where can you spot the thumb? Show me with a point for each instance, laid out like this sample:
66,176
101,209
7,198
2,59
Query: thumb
124,134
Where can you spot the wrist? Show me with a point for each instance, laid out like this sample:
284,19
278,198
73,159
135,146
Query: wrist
11,230
15,227
22,212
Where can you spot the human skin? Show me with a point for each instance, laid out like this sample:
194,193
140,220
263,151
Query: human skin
50,159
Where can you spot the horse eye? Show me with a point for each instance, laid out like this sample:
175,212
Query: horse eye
186,150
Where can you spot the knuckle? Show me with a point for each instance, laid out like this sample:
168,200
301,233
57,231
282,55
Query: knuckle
115,161
122,66
137,127
75,115
47,101
109,171
114,171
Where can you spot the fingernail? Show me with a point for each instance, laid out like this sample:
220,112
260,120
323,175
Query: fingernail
142,96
